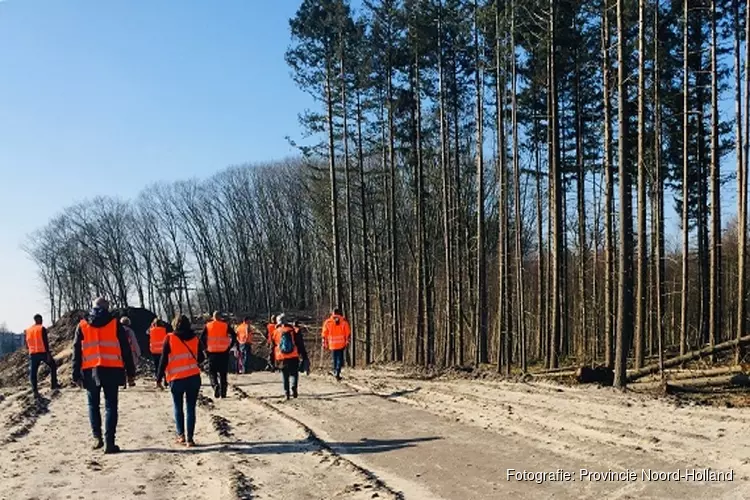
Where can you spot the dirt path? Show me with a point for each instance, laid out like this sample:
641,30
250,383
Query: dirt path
376,435
457,441
245,450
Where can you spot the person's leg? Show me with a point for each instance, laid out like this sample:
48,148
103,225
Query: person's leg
111,392
191,397
34,372
177,388
338,361
285,378
294,376
212,374
223,369
94,393
50,361
156,358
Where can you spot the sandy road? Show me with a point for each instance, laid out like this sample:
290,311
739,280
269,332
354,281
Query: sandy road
377,435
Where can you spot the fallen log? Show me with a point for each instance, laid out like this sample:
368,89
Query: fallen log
556,370
694,384
668,363
560,374
698,373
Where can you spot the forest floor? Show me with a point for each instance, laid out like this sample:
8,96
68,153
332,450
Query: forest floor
380,433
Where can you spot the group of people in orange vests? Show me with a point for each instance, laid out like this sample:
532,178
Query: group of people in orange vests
106,352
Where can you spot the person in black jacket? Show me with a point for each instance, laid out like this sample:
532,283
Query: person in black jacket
98,379
183,387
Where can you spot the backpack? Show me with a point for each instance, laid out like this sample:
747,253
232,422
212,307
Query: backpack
286,344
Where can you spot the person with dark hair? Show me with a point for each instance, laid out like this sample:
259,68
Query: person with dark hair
288,348
336,334
102,360
244,339
37,342
218,338
180,362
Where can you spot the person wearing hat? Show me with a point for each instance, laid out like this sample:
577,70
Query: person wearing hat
288,349
102,361
218,337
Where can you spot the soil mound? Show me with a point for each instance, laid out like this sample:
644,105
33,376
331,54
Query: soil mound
14,368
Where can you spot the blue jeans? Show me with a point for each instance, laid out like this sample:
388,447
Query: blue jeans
244,358
338,361
37,359
111,392
186,389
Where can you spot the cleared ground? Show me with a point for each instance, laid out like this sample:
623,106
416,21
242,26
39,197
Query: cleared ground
378,434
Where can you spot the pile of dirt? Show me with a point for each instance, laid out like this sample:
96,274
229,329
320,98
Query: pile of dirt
14,368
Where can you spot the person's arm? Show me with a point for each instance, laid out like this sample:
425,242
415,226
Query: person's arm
127,354
299,340
204,338
324,334
77,355
347,331
163,361
201,355
233,336
45,341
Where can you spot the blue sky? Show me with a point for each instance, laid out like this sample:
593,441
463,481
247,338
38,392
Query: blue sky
105,97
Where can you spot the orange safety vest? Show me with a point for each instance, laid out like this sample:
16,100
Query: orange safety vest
218,336
156,336
270,328
34,339
100,346
183,358
336,335
243,333
277,354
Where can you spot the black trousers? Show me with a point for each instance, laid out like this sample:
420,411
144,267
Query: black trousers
218,366
290,375
156,359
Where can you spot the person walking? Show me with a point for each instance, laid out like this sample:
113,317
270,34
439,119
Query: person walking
244,339
156,335
37,343
135,349
288,350
102,360
336,334
219,339
180,362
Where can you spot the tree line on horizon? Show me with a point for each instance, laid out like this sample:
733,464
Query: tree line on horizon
480,182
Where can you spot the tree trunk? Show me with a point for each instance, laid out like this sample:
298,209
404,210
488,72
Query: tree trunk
447,243
352,351
608,198
481,276
338,292
640,334
742,170
685,172
365,234
520,299
557,195
715,306
625,267
658,218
